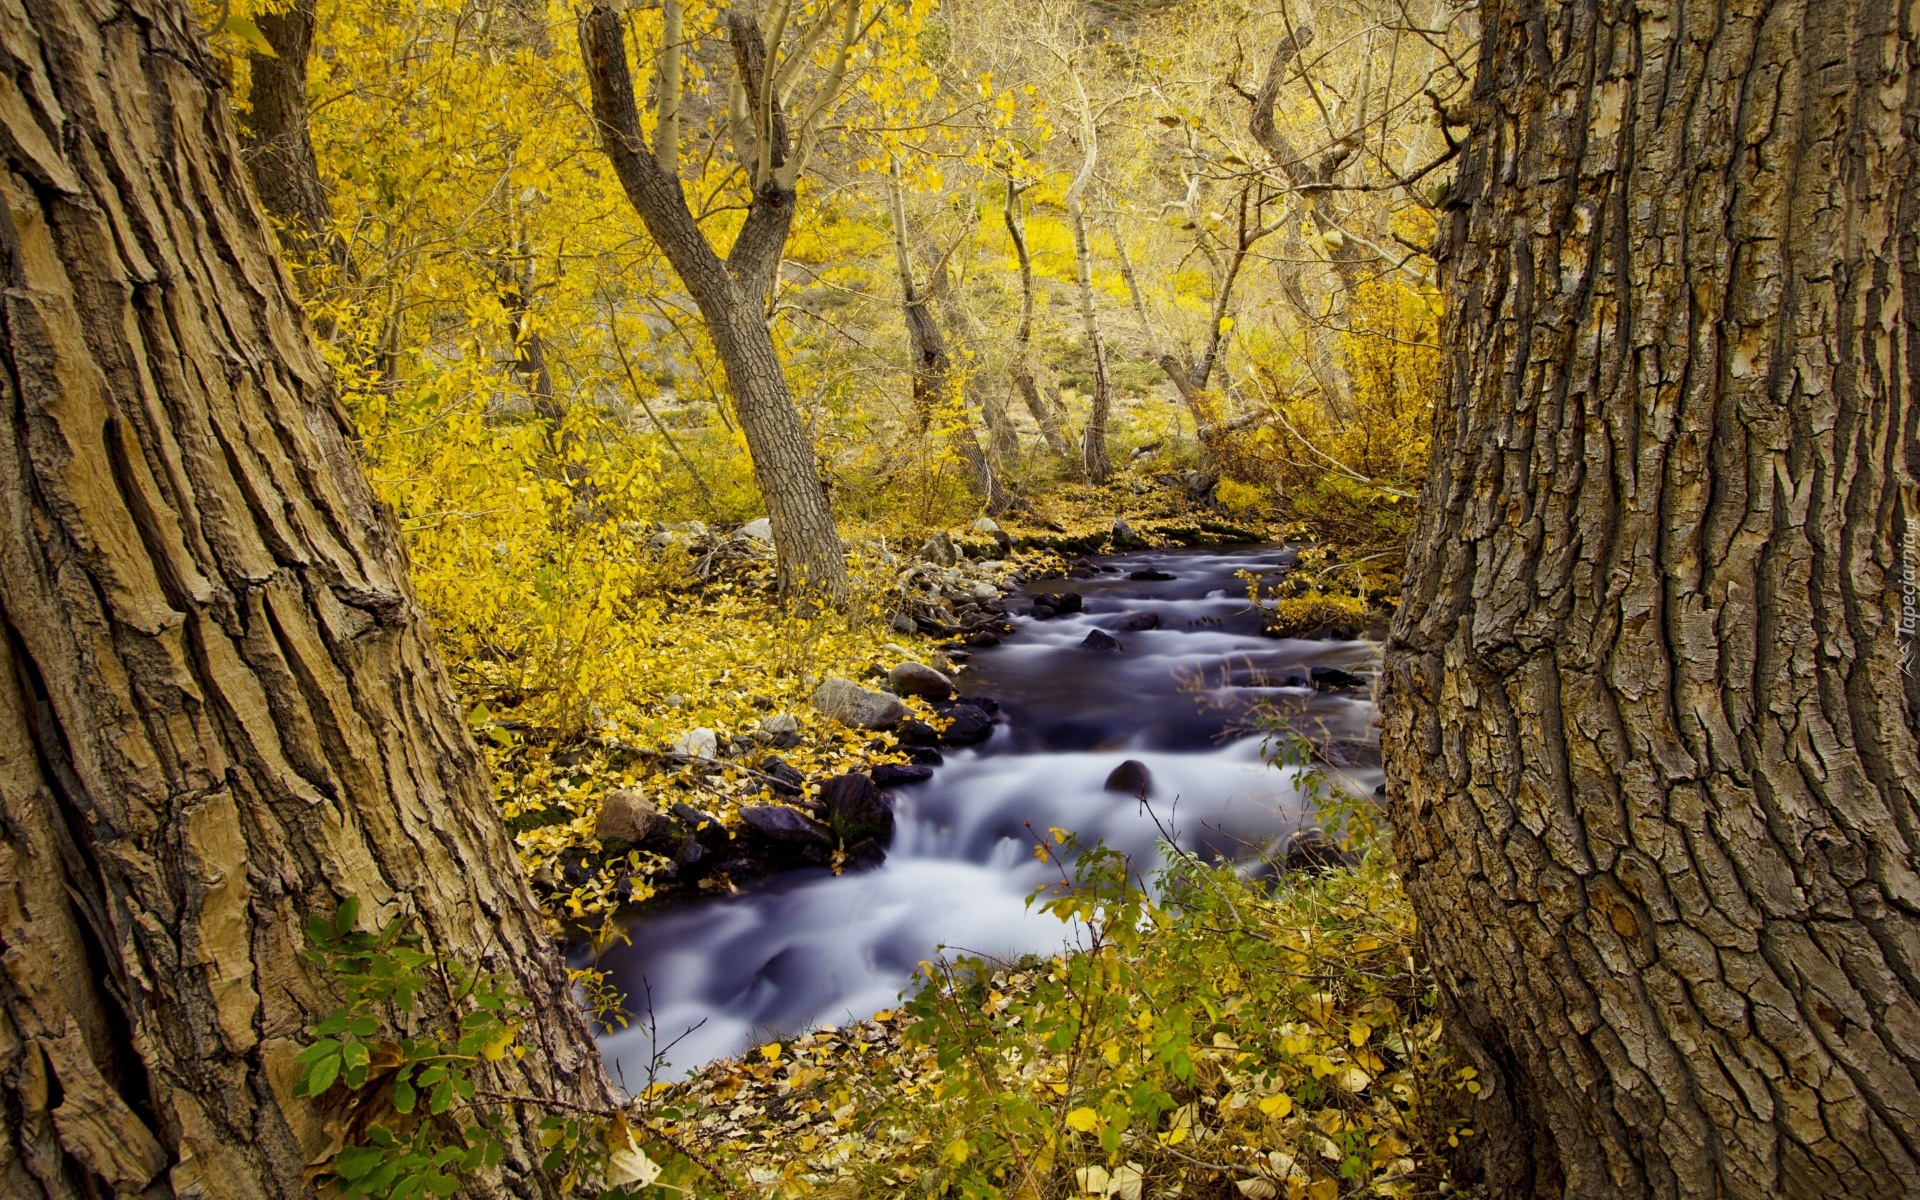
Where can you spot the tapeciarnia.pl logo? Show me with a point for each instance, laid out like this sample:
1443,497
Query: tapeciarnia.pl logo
1909,599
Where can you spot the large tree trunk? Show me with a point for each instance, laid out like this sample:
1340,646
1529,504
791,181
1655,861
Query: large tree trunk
1653,769
220,707
730,292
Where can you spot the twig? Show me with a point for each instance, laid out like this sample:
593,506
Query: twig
673,1143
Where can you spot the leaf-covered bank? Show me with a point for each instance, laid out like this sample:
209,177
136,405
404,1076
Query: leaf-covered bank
1218,1036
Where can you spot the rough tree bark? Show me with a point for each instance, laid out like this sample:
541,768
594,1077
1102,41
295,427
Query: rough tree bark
1045,409
220,707
731,291
1652,755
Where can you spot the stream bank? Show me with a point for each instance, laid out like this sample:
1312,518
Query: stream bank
1160,662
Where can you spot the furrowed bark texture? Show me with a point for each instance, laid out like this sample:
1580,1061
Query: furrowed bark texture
220,707
1652,758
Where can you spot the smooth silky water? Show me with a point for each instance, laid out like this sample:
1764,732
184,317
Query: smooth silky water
804,948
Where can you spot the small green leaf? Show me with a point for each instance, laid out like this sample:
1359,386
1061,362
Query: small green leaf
321,1074
318,1050
355,1161
404,1097
347,915
480,717
364,1027
442,1097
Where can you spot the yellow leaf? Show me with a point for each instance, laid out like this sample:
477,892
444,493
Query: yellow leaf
628,1163
771,1052
1359,1032
496,1047
1277,1105
248,34
1323,1189
956,1151
1111,1052
1083,1119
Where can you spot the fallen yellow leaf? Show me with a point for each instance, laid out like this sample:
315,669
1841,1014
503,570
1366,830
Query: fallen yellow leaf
1277,1105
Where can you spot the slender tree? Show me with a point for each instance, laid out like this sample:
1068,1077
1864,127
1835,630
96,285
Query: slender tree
221,710
731,292
933,379
1093,439
1044,407
1650,712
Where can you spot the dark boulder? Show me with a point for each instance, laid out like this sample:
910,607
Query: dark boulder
691,857
966,726
982,640
986,704
1047,607
1131,778
918,733
1140,622
893,774
782,777
925,756
1333,679
778,823
857,809
1311,851
1102,641
1151,576
865,854
704,827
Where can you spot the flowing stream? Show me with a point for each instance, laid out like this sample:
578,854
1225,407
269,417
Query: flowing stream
807,947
